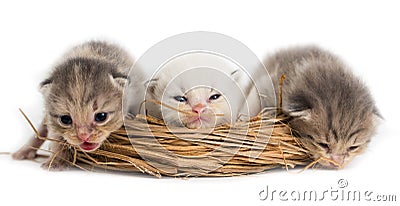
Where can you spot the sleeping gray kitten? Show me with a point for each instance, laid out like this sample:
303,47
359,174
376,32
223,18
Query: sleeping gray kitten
331,109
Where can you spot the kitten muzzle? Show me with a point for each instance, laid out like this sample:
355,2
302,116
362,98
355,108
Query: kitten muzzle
339,159
84,133
199,108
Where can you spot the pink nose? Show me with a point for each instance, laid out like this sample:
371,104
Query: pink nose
84,133
84,136
338,159
199,108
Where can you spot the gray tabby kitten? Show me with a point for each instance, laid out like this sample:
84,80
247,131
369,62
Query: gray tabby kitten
331,109
83,100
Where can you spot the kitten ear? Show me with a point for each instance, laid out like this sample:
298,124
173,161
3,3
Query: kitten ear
299,110
376,112
236,75
150,85
44,86
303,114
119,80
298,106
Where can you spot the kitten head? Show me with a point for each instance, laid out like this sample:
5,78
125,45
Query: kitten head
201,107
83,100
201,104
333,112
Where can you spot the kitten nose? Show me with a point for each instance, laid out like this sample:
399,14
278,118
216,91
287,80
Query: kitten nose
338,159
84,137
84,133
199,108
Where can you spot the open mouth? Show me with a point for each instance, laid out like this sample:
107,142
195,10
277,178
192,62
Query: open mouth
87,146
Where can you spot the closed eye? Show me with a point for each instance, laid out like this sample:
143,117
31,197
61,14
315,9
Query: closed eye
356,132
353,148
324,145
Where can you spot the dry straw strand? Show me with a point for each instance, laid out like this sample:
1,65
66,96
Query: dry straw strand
194,155
191,155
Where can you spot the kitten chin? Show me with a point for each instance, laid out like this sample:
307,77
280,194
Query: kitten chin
83,99
332,111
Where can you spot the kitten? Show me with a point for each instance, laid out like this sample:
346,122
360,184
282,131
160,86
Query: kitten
209,91
331,109
83,100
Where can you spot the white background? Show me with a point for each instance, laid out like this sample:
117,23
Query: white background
35,33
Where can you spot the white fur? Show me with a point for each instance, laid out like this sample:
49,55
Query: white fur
197,76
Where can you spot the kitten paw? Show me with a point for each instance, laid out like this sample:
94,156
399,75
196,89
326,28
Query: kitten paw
25,153
56,165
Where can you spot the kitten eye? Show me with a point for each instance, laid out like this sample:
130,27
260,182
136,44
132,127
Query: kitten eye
352,148
180,98
66,119
214,97
100,117
324,145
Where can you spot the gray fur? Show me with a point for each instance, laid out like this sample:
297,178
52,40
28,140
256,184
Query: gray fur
332,110
89,79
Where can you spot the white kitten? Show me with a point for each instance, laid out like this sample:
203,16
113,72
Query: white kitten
208,89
